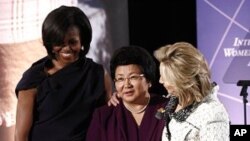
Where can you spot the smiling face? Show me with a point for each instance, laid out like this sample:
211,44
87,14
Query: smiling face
69,51
131,84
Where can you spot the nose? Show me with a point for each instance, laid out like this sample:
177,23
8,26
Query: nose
66,46
160,80
127,82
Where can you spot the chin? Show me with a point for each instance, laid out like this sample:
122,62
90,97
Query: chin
70,59
128,99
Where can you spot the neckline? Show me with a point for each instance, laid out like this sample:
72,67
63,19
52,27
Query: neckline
133,111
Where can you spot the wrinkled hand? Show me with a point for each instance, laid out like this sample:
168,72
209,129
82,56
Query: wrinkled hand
114,99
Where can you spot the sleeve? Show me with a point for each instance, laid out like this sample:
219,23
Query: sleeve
31,77
98,85
216,129
94,130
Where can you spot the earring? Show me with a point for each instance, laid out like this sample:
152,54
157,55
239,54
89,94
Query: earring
82,48
149,85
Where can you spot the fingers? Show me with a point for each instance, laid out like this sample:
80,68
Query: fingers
109,103
114,99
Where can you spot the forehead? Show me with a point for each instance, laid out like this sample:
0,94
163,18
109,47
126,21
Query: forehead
72,31
163,70
161,67
128,69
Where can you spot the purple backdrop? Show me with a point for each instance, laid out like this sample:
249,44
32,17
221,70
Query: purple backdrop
223,36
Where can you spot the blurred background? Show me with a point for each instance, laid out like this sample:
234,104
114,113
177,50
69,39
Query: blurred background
210,25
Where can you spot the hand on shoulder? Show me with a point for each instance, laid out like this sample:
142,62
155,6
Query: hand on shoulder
114,100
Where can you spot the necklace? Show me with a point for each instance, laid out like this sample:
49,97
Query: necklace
133,110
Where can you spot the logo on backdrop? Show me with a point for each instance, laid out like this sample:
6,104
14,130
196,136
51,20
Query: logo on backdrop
239,68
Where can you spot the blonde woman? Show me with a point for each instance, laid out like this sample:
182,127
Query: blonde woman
194,112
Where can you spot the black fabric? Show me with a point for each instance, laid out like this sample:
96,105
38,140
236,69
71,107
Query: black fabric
169,109
65,100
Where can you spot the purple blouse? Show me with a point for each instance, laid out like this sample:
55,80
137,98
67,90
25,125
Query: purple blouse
117,123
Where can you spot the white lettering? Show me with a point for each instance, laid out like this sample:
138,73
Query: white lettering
241,42
237,132
232,52
228,52
235,41
240,132
243,131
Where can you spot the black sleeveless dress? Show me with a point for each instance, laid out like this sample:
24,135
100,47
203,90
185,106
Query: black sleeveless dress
65,100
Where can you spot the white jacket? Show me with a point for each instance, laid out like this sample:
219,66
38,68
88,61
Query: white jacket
208,122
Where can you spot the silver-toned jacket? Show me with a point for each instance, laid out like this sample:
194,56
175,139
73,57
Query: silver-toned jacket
208,122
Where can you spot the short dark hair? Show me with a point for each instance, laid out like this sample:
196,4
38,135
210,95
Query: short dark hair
57,23
134,55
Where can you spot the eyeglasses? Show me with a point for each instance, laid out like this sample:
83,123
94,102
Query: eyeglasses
132,79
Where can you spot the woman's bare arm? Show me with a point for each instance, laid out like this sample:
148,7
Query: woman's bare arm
24,117
108,85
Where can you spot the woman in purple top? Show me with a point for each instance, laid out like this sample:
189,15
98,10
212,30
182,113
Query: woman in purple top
133,71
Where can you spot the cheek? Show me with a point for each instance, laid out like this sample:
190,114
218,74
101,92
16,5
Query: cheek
166,86
56,49
76,48
169,88
118,88
141,87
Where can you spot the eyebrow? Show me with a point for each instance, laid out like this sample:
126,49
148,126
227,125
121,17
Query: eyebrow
130,73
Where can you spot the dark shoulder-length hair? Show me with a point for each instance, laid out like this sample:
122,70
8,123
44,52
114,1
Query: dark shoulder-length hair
57,23
137,55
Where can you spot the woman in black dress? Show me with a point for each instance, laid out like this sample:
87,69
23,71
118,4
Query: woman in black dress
58,93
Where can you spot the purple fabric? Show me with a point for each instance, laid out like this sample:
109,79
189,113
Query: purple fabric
117,123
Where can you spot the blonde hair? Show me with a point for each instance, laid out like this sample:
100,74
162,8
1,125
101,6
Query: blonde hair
184,67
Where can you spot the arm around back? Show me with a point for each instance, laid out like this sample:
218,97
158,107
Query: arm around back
108,85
